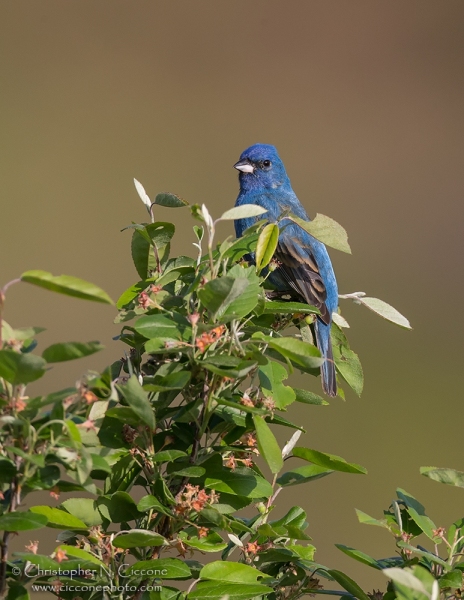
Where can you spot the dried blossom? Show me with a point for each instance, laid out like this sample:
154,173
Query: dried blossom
60,555
245,400
375,595
129,434
231,462
251,548
194,318
55,493
89,425
209,337
203,532
193,498
32,546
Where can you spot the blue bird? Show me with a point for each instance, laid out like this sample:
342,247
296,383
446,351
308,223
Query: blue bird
304,269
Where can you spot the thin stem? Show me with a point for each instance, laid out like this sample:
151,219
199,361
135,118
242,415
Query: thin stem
15,499
9,284
157,258
210,254
194,582
2,304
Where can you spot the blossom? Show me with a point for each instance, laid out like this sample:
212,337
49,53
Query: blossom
60,555
33,546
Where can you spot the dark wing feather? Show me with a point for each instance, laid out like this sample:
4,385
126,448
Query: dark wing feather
298,268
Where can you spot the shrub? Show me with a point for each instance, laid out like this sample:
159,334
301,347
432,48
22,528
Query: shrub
175,439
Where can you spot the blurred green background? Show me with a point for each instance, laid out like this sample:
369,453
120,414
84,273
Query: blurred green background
364,101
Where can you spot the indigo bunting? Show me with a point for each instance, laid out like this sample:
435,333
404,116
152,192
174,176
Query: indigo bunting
304,270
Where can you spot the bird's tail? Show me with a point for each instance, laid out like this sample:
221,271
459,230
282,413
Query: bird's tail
328,376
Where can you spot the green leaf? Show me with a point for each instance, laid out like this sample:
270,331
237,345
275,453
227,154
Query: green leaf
347,361
137,399
120,507
211,543
218,294
144,238
298,351
267,244
138,538
58,518
359,556
74,552
216,590
244,245
386,311
428,555
302,475
339,320
17,367
297,534
267,444
453,580
165,327
22,521
249,298
228,503
304,552
39,560
44,478
163,568
241,481
296,516
65,284
164,383
100,465
21,334
242,212
7,470
241,369
443,475
307,397
199,232
407,578
186,471
132,292
151,503
368,520
17,592
326,230
329,461
348,584
36,459
170,200
271,376
288,308
70,351
417,513
230,571
165,456
84,509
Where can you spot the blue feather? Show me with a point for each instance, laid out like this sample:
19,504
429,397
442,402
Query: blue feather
305,270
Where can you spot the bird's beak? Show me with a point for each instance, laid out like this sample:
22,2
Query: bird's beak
244,166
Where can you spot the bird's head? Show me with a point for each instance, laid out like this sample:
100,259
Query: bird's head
260,167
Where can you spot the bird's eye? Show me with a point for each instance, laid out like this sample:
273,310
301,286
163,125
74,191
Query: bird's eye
266,163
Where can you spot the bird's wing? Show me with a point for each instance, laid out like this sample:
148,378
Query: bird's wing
299,269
